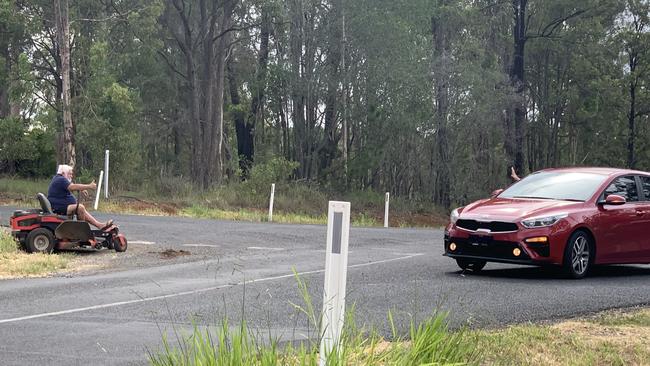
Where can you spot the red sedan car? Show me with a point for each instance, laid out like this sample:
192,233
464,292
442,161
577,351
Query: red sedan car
573,217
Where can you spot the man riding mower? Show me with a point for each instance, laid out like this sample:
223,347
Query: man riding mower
41,230
46,229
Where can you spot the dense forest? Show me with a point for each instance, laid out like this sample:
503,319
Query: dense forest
427,99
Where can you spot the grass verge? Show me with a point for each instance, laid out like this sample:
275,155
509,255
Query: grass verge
16,263
297,203
430,343
609,338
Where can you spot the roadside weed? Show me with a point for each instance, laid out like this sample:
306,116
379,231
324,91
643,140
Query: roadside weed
430,343
7,243
16,263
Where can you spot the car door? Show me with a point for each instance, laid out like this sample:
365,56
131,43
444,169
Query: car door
616,227
643,211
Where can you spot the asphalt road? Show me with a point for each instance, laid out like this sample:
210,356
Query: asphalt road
246,270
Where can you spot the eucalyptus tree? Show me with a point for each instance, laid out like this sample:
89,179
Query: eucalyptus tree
632,33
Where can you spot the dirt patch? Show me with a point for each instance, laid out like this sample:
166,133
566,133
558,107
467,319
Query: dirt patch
594,334
171,253
133,204
91,261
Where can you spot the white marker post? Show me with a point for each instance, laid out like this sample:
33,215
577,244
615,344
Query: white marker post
271,202
106,176
336,271
386,209
99,189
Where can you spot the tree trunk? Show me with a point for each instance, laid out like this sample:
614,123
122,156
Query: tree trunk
222,51
327,149
246,131
515,115
207,78
441,77
5,74
345,99
63,36
297,87
631,115
242,129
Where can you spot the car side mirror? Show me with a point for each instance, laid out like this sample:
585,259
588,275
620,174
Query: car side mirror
614,200
496,192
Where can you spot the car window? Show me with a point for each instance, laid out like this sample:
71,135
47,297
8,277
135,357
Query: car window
624,187
645,185
558,185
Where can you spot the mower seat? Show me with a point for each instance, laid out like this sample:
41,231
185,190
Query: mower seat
46,207
45,203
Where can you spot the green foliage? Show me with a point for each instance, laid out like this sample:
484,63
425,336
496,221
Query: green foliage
131,93
262,175
25,151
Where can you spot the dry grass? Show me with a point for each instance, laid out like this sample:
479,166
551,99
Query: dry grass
16,263
612,338
13,265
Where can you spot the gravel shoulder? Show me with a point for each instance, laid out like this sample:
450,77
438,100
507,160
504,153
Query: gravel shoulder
90,261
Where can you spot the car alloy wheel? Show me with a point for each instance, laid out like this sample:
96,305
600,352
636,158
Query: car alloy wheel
578,255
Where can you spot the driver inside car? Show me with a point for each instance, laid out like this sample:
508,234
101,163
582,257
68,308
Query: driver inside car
63,201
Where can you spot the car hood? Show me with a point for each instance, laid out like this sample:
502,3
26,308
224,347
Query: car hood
514,209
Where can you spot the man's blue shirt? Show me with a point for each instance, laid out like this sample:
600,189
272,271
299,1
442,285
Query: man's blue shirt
59,194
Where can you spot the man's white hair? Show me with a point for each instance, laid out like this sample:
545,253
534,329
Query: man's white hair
63,169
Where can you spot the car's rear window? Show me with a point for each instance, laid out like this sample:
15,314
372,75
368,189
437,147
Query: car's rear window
556,185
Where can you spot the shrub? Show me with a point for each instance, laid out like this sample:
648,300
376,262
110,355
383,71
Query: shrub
276,170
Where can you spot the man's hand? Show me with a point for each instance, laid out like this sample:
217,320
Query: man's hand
85,194
92,185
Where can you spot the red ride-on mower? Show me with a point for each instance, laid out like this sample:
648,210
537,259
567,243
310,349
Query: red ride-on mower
41,230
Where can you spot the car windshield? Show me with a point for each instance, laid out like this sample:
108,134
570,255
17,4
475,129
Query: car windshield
571,186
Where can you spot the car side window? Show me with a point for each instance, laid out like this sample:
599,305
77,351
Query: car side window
625,187
645,185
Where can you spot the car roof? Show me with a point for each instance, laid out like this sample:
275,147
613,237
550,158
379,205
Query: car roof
596,170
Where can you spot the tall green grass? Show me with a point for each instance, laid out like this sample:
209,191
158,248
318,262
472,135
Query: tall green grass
7,243
200,211
23,188
428,343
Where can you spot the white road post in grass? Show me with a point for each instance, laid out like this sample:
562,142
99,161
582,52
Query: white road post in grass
386,209
336,271
271,202
106,176
99,189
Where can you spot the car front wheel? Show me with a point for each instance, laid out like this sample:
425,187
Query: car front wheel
578,255
471,265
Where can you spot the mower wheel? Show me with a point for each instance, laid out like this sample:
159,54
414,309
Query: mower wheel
119,243
40,240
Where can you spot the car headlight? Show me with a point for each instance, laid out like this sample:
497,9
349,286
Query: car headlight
543,221
454,216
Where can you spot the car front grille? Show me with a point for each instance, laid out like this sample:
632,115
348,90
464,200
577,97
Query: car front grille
493,226
485,247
